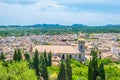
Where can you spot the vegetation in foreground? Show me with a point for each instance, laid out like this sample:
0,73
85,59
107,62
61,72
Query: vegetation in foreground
39,68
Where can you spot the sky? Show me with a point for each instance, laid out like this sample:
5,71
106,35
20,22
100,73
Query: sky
65,12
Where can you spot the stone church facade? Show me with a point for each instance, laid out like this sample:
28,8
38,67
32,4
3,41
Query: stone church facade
60,52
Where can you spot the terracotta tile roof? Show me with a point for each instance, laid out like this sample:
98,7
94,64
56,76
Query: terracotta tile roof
57,49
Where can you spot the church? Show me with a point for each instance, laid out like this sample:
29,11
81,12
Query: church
60,52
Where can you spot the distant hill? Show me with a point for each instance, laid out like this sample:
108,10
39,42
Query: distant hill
46,25
79,25
60,26
17,30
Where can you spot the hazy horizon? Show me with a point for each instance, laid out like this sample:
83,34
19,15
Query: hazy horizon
55,24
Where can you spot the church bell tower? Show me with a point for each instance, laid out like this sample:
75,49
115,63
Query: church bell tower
81,48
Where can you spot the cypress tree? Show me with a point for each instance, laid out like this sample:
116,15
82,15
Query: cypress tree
93,66
49,59
36,63
15,55
43,68
27,56
2,57
102,71
68,68
19,55
62,72
46,61
90,71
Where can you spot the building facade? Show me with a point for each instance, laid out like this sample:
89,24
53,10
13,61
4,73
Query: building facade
75,51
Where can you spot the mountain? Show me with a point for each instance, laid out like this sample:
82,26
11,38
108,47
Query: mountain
46,25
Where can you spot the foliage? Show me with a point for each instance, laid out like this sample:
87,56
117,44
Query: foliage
17,71
3,72
2,57
17,55
45,56
62,72
53,76
68,68
34,68
36,63
101,71
27,56
49,59
93,66
106,61
43,68
52,70
29,30
112,72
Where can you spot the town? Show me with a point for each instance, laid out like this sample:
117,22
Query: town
107,43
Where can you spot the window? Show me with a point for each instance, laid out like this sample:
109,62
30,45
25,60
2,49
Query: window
79,56
63,57
70,56
81,47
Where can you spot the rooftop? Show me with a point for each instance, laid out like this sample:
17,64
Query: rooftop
57,49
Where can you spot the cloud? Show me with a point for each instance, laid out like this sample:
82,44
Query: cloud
91,12
102,6
33,4
22,2
90,1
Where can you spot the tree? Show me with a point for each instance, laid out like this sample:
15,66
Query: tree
90,71
101,71
15,55
93,66
2,57
17,71
62,72
45,56
27,56
43,68
20,71
49,59
36,63
68,68
3,72
19,55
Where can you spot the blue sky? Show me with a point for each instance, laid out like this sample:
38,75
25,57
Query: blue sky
89,12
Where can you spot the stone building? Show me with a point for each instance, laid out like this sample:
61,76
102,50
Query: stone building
60,52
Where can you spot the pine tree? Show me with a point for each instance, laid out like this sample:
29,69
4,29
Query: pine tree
27,56
36,63
2,57
68,68
49,59
62,72
43,68
101,71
